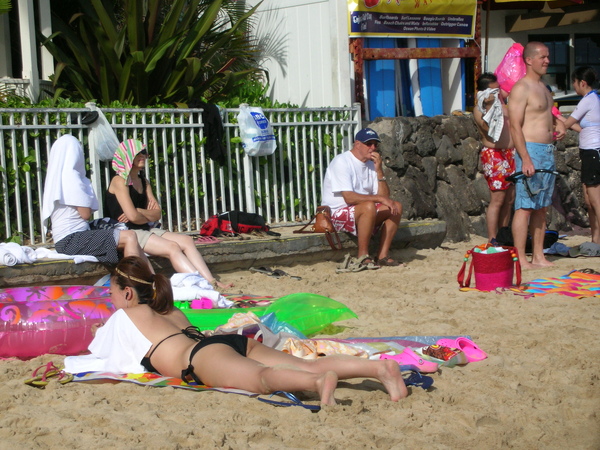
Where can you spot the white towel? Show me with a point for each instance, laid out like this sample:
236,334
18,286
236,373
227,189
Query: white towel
66,183
46,253
494,116
117,347
12,253
191,286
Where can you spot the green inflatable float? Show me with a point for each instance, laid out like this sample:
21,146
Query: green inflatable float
308,313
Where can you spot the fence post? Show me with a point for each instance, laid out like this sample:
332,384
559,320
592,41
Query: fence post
95,171
249,184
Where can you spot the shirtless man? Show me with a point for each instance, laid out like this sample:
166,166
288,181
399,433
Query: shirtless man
497,155
532,126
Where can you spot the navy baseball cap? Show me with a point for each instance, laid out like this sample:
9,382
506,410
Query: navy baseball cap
367,134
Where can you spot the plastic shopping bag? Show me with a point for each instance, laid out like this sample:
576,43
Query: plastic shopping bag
256,131
101,136
512,67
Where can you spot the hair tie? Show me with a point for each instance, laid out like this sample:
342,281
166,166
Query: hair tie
139,280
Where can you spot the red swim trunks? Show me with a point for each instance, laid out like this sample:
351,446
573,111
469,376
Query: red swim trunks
343,219
498,163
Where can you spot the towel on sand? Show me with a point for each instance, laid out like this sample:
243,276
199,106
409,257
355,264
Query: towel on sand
192,286
117,347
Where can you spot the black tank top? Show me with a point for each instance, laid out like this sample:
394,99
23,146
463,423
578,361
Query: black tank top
114,210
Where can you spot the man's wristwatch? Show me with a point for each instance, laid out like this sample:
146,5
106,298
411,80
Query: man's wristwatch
382,179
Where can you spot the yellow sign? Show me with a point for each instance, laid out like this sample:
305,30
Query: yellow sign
412,18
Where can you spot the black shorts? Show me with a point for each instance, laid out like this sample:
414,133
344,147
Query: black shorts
590,166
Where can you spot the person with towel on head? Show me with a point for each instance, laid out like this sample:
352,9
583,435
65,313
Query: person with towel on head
68,203
130,200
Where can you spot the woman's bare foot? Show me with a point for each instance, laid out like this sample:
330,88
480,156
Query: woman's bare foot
224,285
326,385
542,263
390,376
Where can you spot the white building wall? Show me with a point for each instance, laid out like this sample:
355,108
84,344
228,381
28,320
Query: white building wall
315,67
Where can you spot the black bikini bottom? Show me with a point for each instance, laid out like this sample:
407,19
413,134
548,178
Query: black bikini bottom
235,341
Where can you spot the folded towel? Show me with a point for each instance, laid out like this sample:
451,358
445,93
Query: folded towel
53,254
192,286
12,253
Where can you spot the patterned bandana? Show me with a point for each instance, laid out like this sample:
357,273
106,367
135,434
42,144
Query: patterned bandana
124,155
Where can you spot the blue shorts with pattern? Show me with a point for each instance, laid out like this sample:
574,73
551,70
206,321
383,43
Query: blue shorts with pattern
535,192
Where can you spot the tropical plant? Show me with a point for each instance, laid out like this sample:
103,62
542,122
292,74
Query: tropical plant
5,6
145,52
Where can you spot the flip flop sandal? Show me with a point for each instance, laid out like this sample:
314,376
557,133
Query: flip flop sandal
367,262
277,273
265,270
207,240
390,262
416,379
50,371
343,267
469,348
410,360
295,401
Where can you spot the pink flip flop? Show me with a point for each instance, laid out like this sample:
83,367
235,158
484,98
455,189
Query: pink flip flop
207,240
409,360
469,348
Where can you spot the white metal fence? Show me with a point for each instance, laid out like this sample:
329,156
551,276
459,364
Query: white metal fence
189,185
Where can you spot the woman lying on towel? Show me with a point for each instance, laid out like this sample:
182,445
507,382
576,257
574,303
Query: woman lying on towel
147,333
130,200
69,202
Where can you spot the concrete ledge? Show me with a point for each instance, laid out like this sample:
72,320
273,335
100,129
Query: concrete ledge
231,254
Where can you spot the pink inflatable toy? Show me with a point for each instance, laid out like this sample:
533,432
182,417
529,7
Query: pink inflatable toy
50,319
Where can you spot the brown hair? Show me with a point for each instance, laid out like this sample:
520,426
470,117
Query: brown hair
152,289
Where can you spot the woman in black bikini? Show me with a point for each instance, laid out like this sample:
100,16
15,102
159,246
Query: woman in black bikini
166,343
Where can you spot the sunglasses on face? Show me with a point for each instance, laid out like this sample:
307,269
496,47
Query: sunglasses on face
143,152
371,144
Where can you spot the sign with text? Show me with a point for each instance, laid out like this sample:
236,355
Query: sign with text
412,18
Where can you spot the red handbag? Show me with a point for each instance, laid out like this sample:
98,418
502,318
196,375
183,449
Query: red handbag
492,270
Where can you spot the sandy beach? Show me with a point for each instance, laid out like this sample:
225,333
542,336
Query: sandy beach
539,388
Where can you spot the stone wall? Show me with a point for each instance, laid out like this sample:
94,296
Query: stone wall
433,168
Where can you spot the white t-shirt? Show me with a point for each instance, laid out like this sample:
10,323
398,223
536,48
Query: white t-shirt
347,173
587,113
65,221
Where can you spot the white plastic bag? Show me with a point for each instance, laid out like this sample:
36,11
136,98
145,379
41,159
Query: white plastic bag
101,136
256,131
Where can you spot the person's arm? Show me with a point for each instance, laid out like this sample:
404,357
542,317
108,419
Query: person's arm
572,123
517,103
560,129
84,212
130,212
152,211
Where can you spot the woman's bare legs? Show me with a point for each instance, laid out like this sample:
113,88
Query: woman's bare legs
266,370
128,244
168,246
592,198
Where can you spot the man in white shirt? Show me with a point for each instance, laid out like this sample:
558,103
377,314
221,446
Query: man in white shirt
359,197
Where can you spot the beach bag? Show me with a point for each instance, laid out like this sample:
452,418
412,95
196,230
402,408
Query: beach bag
504,237
256,131
233,223
321,223
492,270
512,67
101,135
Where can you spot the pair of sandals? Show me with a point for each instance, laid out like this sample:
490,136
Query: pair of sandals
277,273
49,371
365,262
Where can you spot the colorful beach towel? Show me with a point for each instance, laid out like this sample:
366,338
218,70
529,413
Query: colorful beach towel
577,284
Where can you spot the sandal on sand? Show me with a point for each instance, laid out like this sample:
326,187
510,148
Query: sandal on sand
50,371
388,261
416,379
367,262
277,273
207,240
410,360
350,264
295,401
469,348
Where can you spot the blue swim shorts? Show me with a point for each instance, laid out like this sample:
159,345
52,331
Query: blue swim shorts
535,192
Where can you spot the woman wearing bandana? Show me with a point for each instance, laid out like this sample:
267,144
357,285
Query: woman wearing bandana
130,200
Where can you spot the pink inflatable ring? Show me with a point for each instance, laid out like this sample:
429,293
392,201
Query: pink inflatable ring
50,319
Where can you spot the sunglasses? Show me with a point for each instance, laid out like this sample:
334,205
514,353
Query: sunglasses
371,144
143,152
531,187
